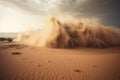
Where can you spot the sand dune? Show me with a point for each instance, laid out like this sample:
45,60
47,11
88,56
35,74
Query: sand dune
34,63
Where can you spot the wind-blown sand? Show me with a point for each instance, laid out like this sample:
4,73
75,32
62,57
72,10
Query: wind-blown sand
61,34
20,62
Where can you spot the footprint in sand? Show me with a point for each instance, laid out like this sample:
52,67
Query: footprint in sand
16,53
39,65
49,61
94,66
77,70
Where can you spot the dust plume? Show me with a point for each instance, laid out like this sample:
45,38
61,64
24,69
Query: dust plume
72,33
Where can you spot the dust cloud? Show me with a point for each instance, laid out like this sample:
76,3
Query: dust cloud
71,33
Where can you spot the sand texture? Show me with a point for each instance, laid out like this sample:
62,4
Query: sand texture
20,62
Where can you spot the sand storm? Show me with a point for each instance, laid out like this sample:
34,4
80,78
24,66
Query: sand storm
59,33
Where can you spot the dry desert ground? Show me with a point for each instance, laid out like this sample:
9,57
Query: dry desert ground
20,62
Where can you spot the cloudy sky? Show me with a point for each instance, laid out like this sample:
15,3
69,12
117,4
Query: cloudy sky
16,14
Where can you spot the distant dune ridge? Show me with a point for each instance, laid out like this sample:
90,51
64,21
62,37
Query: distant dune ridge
72,34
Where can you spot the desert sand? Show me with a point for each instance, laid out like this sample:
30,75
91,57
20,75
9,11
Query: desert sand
20,62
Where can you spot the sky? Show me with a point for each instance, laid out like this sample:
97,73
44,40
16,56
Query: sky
18,15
